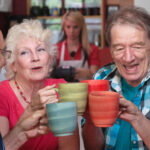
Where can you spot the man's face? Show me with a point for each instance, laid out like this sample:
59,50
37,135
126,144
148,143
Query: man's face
130,48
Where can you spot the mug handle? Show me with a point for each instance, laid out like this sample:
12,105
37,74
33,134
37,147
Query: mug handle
56,89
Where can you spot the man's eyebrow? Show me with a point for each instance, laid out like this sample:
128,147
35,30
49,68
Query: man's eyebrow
115,45
139,43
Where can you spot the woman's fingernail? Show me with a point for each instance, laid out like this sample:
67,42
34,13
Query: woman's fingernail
56,89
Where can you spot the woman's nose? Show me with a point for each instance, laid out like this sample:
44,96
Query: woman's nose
35,56
71,30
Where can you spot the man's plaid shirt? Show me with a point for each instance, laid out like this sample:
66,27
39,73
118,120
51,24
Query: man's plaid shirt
111,73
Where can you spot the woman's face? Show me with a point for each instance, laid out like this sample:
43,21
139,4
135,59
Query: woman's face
32,61
72,30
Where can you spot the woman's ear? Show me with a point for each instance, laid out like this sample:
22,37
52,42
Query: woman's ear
13,66
2,41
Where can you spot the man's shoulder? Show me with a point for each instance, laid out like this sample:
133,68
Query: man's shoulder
105,71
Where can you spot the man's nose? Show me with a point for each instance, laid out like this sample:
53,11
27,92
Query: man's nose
128,55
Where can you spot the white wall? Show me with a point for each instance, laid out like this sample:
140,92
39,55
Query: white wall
143,3
5,5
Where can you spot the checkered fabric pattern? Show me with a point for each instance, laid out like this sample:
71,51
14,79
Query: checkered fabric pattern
110,72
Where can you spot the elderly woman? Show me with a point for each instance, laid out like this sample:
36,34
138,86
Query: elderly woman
32,117
27,70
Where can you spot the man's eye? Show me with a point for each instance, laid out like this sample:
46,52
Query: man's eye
119,49
137,47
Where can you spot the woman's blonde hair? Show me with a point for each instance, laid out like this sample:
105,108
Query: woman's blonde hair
77,17
28,28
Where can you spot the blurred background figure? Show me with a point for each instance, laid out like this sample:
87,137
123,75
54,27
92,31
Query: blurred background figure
77,58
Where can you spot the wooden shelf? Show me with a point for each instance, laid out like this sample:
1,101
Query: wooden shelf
53,17
101,17
112,2
120,3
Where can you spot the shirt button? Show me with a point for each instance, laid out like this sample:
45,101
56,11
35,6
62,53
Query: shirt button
137,95
110,147
117,122
134,142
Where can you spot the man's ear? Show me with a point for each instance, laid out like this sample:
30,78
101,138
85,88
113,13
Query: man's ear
2,41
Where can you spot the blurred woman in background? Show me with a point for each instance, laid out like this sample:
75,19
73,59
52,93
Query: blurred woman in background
74,47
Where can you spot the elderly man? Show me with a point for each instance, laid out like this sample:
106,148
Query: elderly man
128,34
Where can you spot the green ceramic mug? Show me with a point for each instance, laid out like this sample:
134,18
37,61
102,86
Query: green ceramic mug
76,92
62,118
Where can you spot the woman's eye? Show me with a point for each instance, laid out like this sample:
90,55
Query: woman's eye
68,27
76,27
41,49
24,52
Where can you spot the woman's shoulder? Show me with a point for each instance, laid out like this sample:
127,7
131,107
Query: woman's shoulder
5,89
59,44
4,84
94,48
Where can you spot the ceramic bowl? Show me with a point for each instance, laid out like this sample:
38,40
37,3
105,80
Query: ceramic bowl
62,118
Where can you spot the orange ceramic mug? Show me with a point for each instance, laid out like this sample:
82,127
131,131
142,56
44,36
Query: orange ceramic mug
103,107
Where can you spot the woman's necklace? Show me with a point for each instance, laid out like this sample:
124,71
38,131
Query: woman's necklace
72,50
21,93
